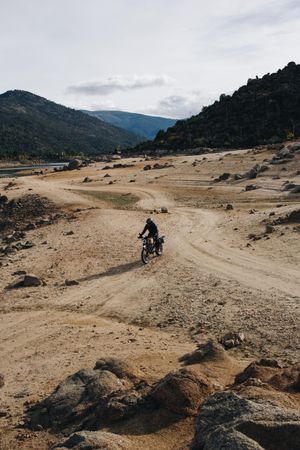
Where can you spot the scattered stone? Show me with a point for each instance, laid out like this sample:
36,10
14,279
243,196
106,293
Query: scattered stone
223,177
296,189
229,207
71,282
107,175
237,177
270,228
250,187
147,167
232,339
25,281
182,391
227,421
69,233
1,380
164,210
19,272
87,180
288,186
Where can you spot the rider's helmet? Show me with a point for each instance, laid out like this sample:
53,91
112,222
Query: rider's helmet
148,221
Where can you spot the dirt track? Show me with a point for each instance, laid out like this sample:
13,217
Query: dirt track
210,280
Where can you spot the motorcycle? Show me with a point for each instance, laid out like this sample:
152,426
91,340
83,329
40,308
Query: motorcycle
150,247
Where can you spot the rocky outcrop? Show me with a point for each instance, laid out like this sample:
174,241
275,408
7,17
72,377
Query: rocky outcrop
227,421
91,397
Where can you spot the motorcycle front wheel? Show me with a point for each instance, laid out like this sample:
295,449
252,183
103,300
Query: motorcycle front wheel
145,256
159,250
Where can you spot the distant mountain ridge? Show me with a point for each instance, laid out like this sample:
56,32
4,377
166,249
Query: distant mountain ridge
265,110
140,124
35,126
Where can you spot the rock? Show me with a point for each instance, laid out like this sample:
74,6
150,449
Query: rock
95,440
19,272
237,176
270,228
182,391
147,167
69,233
107,175
296,189
250,187
232,339
25,281
91,397
65,407
223,177
289,186
164,210
210,351
229,207
253,172
87,180
1,380
71,282
120,367
74,164
30,226
227,421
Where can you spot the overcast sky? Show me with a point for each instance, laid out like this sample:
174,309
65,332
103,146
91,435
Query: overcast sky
166,57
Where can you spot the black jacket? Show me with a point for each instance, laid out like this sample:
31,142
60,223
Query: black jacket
151,228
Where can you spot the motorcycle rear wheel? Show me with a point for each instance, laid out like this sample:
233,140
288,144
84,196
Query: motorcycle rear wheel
145,256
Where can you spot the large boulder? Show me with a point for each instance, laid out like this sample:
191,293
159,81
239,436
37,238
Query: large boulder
227,421
95,440
182,391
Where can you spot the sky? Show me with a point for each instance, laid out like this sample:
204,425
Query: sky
160,57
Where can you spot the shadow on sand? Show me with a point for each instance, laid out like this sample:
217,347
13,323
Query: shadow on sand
117,270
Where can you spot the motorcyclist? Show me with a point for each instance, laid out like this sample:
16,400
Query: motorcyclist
152,229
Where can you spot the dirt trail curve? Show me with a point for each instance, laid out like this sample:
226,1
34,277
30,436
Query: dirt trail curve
193,236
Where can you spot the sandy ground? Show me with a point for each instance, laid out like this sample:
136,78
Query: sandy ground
211,279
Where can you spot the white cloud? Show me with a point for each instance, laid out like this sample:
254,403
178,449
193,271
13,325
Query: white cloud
180,106
119,83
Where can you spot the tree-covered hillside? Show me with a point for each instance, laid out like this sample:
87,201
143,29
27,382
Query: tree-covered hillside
35,127
266,110
140,124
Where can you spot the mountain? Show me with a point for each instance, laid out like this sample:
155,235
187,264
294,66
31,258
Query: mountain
140,124
34,126
265,110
